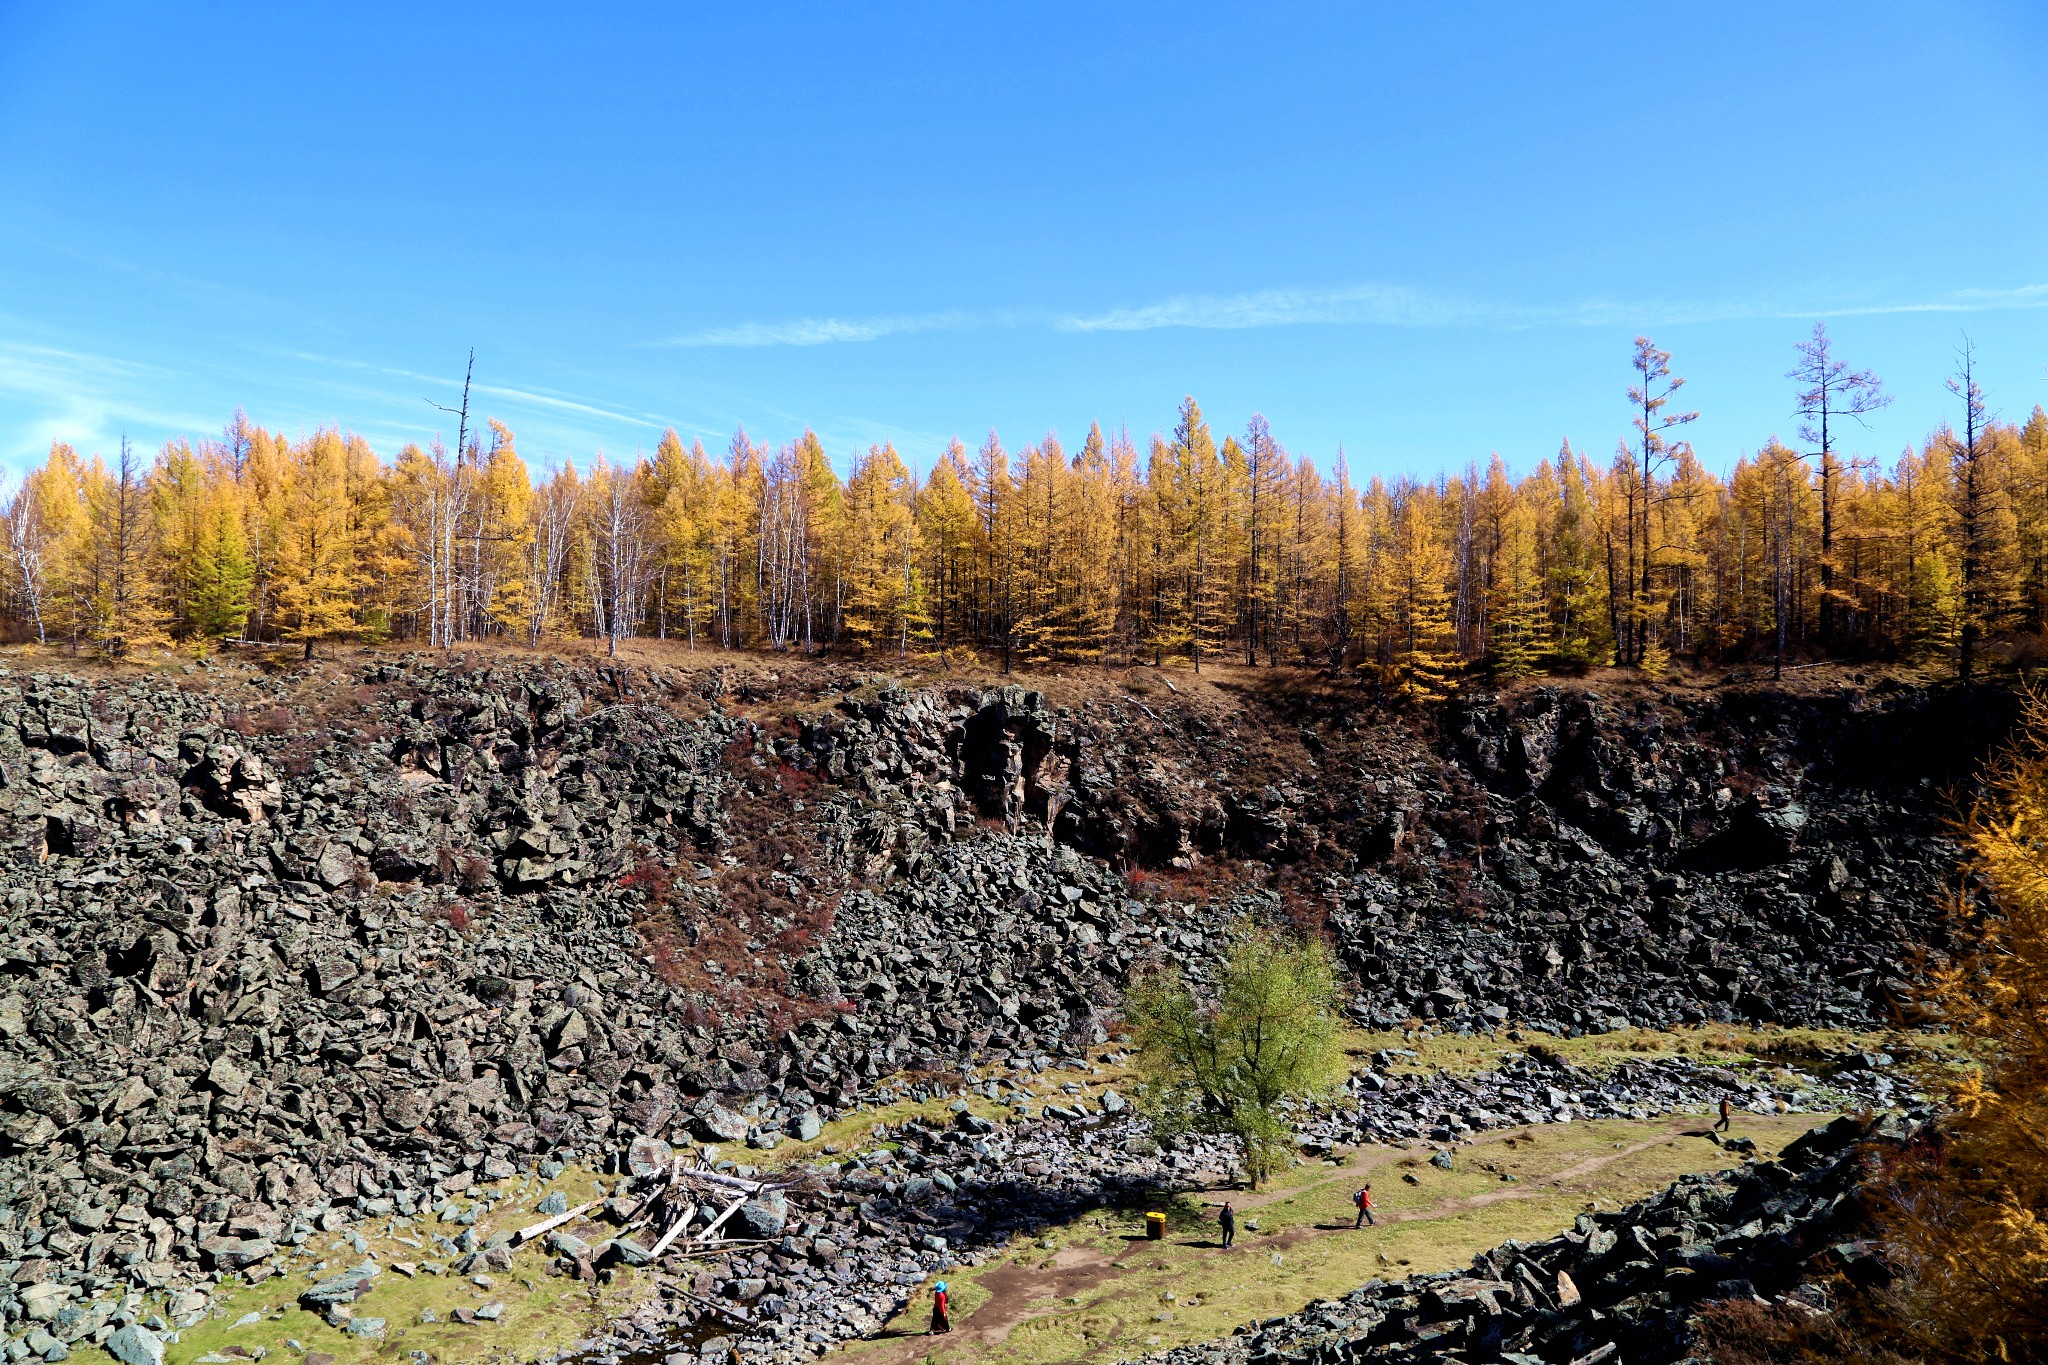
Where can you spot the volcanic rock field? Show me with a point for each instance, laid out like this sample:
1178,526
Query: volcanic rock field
292,952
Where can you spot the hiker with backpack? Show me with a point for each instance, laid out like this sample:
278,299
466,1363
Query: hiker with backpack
1363,1199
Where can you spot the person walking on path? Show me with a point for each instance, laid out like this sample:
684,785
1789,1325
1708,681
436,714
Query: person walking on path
1727,1114
942,1309
1228,1221
1364,1201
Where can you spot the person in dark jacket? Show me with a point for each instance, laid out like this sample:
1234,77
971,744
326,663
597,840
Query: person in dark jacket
1727,1114
942,1309
1228,1221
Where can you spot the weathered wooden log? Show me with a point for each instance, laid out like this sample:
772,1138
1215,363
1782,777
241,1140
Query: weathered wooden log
718,1222
547,1225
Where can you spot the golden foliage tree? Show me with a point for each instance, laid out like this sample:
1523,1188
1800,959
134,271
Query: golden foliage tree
314,573
1971,1226
882,598
120,557
1207,550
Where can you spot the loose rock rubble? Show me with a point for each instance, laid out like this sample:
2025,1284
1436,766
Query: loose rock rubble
1618,1286
285,952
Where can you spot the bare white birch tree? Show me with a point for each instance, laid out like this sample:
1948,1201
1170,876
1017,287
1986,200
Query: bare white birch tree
28,549
621,559
555,507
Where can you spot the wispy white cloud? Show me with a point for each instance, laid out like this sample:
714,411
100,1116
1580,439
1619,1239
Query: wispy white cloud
53,390
1371,304
1384,305
825,331
1611,312
537,399
1961,301
1375,305
1389,306
448,387
52,393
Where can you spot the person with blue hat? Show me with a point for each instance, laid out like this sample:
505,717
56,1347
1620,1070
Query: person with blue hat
942,1309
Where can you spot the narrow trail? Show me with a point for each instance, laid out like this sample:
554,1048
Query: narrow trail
1019,1293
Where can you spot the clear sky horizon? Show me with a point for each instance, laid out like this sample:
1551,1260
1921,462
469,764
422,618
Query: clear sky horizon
1426,233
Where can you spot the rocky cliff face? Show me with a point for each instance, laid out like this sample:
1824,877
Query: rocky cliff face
1753,856
275,947
1561,858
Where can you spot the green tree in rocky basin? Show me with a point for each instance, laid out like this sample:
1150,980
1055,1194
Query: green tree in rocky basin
1226,1061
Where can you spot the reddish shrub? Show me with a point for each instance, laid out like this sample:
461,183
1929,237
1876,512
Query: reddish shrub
770,908
476,872
1742,784
1309,916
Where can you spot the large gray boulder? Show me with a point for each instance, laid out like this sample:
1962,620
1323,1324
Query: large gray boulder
715,1123
343,1288
647,1156
766,1214
136,1345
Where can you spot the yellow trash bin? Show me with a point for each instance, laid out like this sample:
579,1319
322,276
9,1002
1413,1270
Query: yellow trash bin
1155,1226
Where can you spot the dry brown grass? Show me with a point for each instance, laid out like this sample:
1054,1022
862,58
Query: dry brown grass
1745,1332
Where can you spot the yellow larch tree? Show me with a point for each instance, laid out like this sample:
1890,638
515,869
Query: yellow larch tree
498,535
126,601
45,545
1087,527
1969,1219
1427,652
881,593
677,495
948,529
315,572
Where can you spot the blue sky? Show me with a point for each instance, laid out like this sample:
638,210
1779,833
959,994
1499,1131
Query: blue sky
1425,232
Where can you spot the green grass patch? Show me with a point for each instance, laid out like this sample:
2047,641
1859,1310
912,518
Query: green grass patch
864,1128
541,1312
1762,1049
1097,1290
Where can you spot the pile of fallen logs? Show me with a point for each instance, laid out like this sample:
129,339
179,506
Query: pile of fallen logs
679,1199
683,1193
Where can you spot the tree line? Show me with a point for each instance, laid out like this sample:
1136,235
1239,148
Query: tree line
1194,548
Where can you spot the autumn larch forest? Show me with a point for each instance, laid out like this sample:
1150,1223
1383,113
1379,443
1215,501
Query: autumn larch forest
1195,547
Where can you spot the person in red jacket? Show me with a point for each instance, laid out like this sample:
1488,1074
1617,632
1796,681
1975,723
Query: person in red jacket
942,1309
1364,1201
